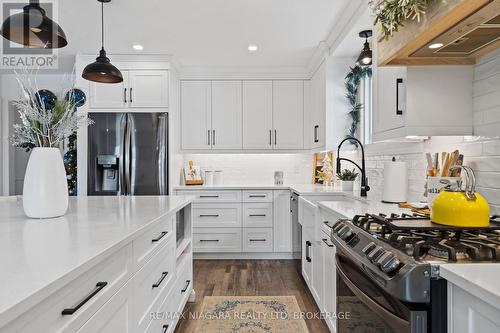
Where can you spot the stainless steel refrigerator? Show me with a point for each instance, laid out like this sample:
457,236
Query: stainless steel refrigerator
127,154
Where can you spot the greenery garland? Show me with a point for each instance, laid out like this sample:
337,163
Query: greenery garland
352,82
391,14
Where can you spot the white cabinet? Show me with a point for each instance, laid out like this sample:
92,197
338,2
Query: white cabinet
306,260
139,89
257,239
317,272
282,223
329,298
257,114
226,115
422,101
315,109
288,114
196,114
469,314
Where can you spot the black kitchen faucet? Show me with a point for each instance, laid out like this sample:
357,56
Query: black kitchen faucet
364,181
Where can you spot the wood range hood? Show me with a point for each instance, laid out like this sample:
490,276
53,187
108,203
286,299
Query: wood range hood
467,29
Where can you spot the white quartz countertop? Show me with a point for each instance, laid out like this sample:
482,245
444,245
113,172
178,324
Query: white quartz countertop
39,256
301,189
480,280
351,206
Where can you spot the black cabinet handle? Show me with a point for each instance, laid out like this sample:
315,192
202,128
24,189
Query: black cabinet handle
398,82
157,239
209,196
308,246
163,276
164,329
257,196
213,137
208,141
258,240
270,137
257,215
125,95
130,95
209,240
275,137
316,133
186,286
98,287
326,242
209,215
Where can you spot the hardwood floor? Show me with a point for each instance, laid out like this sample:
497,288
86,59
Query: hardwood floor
250,278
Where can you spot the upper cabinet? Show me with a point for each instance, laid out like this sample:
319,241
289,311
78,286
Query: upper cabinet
315,110
139,89
459,31
244,115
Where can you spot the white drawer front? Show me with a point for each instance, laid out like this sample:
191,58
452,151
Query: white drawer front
258,196
146,245
258,215
184,283
47,316
217,240
217,215
257,240
213,195
152,283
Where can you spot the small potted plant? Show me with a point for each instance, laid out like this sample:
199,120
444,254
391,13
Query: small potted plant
347,178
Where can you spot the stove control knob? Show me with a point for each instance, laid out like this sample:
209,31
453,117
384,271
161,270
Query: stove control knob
375,253
337,227
384,258
390,264
368,248
344,232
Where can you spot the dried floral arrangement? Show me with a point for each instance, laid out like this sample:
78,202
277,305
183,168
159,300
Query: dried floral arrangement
45,120
391,14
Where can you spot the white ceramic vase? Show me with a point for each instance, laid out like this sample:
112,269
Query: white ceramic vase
347,185
45,190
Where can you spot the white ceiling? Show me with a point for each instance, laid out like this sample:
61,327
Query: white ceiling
352,44
203,33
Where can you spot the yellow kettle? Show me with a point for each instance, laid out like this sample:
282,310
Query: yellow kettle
461,208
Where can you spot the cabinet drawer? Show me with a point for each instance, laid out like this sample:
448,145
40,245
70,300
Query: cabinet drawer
217,240
79,299
258,215
257,240
152,283
184,283
217,215
258,196
146,245
213,195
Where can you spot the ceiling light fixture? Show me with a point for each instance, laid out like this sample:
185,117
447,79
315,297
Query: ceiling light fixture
102,70
252,48
365,57
138,47
436,45
33,28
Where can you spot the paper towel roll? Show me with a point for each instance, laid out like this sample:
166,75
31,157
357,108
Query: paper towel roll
395,184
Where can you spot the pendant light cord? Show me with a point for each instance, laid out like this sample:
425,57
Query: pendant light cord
102,25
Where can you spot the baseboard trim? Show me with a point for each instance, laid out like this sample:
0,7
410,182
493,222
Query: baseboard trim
253,255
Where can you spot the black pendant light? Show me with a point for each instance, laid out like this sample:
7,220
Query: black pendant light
102,70
365,57
33,28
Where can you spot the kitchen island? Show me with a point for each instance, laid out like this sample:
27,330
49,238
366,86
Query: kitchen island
105,265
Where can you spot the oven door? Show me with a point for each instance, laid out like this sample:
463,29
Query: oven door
365,307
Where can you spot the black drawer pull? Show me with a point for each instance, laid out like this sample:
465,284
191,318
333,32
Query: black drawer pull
186,286
164,329
257,215
209,196
209,215
326,242
308,251
163,276
98,287
209,240
157,239
258,240
257,196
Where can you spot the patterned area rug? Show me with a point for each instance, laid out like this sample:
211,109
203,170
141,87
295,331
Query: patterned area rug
250,314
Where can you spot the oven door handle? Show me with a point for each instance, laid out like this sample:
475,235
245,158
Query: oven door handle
397,323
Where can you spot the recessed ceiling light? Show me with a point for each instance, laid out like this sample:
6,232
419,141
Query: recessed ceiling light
436,45
138,47
252,48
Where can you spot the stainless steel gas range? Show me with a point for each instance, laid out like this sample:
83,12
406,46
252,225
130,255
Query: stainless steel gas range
388,269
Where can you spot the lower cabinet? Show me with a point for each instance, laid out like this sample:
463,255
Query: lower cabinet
329,298
257,240
317,272
307,269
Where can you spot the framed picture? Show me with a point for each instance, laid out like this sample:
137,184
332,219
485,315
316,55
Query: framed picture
192,174
318,159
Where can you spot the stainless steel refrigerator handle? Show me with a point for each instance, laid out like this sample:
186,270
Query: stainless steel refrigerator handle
133,155
121,171
161,145
126,144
